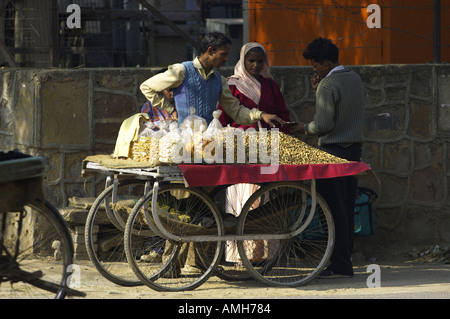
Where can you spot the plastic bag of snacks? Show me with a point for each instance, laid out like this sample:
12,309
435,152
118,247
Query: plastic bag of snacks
171,146
187,133
192,130
140,149
210,145
198,142
194,121
148,129
147,148
215,126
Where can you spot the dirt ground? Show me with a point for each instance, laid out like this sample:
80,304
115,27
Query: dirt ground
398,279
423,276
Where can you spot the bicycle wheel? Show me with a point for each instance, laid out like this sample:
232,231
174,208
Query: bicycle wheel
230,199
305,236
36,254
182,265
104,231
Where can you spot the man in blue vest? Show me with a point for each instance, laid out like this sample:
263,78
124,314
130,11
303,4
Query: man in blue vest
198,84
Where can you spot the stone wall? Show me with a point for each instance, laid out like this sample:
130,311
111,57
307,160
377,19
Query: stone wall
66,115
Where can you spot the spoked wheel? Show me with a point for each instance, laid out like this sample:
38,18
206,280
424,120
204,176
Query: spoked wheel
36,254
104,230
230,199
183,212
305,229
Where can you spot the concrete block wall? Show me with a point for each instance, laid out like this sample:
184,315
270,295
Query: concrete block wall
66,115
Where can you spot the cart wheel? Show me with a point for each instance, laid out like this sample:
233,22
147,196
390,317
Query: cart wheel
178,265
104,231
35,265
230,199
284,208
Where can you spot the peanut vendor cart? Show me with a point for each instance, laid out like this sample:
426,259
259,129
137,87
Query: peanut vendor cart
172,227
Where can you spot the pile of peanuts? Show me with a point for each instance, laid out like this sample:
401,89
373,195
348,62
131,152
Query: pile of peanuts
294,151
251,147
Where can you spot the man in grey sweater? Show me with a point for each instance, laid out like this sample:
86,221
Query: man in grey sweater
338,123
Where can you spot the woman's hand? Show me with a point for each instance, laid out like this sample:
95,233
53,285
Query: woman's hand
271,119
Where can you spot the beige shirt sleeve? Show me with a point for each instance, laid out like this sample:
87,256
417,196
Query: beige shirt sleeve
240,114
153,87
173,78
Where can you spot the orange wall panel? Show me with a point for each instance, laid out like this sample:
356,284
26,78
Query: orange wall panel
285,28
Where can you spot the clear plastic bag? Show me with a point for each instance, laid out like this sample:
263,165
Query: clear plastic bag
192,130
215,126
164,126
194,121
200,140
171,146
198,143
148,129
207,145
187,133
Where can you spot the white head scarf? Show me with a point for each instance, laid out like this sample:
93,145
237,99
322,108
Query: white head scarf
246,83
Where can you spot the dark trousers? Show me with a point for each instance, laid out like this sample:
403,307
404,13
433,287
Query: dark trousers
340,195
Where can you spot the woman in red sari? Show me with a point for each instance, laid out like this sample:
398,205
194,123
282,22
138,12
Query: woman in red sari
253,85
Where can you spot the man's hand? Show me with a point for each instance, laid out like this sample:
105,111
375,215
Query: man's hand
315,81
299,128
271,119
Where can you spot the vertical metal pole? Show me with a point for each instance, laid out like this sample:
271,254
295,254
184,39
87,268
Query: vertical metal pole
437,31
169,23
54,39
246,17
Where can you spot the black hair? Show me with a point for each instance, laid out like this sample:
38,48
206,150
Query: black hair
322,49
215,40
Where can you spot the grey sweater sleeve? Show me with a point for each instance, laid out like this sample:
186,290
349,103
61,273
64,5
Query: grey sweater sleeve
340,104
325,112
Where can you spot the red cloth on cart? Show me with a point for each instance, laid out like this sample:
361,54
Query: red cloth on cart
208,175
